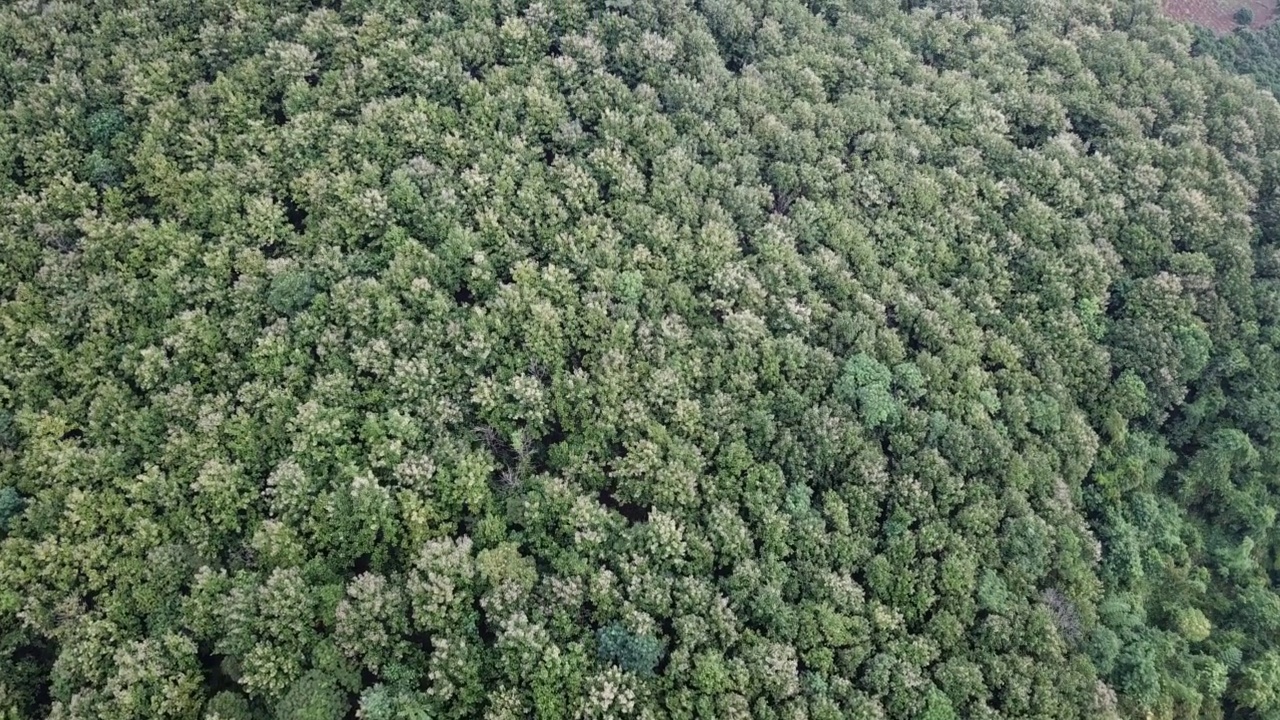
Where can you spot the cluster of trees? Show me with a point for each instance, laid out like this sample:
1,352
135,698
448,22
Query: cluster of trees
634,358
1248,51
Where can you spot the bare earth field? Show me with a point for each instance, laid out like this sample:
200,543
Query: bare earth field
1217,14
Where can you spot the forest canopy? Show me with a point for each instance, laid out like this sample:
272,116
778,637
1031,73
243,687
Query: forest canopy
635,359
1252,52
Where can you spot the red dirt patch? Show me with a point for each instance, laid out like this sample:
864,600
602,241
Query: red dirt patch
1217,14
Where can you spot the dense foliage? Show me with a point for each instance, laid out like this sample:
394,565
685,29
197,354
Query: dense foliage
1253,52
636,358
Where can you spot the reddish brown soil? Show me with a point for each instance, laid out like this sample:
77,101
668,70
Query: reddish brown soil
1217,14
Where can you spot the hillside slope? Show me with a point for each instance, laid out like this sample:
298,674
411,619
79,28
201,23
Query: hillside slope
634,359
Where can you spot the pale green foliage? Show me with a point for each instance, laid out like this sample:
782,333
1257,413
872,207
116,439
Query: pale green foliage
634,359
153,678
371,620
1193,625
440,584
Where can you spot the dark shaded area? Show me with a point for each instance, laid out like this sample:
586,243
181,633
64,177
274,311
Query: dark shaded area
296,216
632,512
